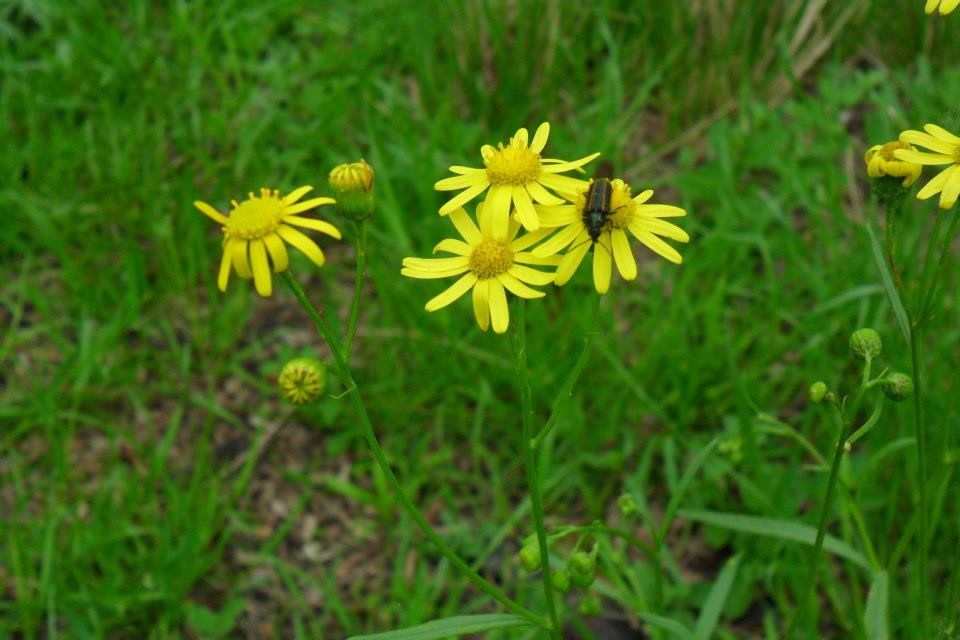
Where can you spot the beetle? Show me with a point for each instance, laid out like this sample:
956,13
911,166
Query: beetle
597,207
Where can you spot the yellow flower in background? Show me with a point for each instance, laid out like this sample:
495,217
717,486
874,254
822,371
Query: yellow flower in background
881,162
490,260
946,150
946,6
624,213
516,174
260,226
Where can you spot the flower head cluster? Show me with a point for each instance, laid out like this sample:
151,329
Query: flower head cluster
262,226
946,6
526,191
944,149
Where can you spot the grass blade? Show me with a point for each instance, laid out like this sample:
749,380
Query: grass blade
898,310
450,627
875,614
713,607
775,528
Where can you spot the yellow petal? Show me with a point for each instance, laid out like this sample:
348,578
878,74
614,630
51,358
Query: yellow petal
643,197
519,139
481,303
935,185
540,138
567,166
656,244
459,182
436,264
238,253
420,274
541,195
525,211
623,254
466,170
526,274
563,185
306,204
560,240
950,190
313,223
568,265
261,268
465,225
602,259
278,252
528,239
517,288
499,313
459,247
922,158
452,293
224,276
210,212
463,197
304,243
661,228
928,141
296,194
495,216
661,211
940,132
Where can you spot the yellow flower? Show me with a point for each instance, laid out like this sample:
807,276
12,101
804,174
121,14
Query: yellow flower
492,261
946,150
260,226
881,162
625,213
946,6
514,173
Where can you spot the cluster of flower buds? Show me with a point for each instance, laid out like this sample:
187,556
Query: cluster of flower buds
580,570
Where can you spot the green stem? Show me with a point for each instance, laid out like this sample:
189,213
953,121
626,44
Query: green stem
360,245
567,389
346,376
530,461
921,481
945,258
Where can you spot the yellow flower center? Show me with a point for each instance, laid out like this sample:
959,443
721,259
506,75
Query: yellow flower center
255,218
886,151
516,165
490,258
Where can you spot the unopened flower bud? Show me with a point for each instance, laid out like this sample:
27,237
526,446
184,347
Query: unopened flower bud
583,569
302,380
560,579
353,184
627,505
897,386
530,556
865,343
818,391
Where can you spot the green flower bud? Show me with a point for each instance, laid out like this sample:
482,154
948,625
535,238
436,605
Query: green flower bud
560,580
530,556
590,605
865,343
818,391
302,380
897,386
627,505
353,184
583,569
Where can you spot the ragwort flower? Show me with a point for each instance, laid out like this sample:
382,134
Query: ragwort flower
946,6
516,174
490,260
626,213
946,150
881,162
260,226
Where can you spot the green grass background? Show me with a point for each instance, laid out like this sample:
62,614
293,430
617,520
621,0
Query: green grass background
134,392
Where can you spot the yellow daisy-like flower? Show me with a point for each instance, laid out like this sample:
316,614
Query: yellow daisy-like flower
881,162
946,150
492,261
625,213
946,6
260,226
516,174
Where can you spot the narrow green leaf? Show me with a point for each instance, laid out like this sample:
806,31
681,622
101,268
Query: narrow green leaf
450,627
875,614
775,528
898,310
667,624
681,489
713,607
